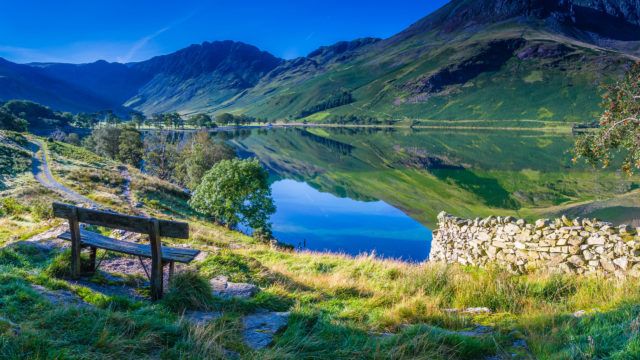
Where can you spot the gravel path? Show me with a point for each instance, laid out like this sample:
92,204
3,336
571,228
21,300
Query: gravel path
42,173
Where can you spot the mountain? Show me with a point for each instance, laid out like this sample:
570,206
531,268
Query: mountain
26,82
200,76
471,59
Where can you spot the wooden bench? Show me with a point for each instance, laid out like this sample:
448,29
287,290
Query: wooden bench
155,228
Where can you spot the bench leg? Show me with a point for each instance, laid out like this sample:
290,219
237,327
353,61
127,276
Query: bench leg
76,248
172,269
156,261
92,258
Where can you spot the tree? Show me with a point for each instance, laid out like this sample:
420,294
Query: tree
201,120
224,119
199,155
73,139
10,122
106,141
619,126
236,192
161,155
138,118
173,119
130,147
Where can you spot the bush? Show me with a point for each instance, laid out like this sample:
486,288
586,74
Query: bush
10,206
188,291
42,210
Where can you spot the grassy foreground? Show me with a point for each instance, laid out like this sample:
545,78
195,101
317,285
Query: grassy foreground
342,307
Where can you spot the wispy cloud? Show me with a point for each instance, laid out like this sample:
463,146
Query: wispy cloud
89,51
144,41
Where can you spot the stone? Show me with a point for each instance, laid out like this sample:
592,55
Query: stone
576,260
588,255
60,297
565,220
607,265
621,262
595,241
499,244
223,288
512,229
575,241
519,245
259,329
579,313
201,318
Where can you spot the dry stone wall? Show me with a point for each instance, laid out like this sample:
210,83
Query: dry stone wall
580,246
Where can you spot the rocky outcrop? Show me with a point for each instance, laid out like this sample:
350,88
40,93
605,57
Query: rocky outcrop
579,246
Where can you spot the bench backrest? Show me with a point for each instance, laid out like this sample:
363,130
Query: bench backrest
138,224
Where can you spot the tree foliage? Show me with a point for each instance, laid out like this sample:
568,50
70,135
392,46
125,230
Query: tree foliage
118,143
236,192
333,101
619,131
161,155
10,122
199,155
130,147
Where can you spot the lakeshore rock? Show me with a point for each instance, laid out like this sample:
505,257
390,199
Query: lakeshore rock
579,246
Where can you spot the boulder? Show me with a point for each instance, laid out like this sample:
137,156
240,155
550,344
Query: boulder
223,288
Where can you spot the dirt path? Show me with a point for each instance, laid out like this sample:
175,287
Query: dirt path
42,173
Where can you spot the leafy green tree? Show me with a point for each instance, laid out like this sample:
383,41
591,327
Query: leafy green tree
161,155
36,115
130,147
236,192
173,119
10,122
619,129
138,119
224,119
199,155
201,120
73,139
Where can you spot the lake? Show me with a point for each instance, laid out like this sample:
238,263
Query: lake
359,191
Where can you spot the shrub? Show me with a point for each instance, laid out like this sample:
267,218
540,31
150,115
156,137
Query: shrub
188,291
10,206
236,192
42,210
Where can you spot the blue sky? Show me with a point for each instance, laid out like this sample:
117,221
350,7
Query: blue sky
88,30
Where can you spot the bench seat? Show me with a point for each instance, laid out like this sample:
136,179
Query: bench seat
169,254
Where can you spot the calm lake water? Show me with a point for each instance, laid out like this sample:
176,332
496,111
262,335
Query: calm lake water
315,220
363,190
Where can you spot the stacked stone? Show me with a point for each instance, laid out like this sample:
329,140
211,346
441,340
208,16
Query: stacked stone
579,246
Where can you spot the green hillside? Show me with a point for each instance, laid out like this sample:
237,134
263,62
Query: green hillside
536,77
